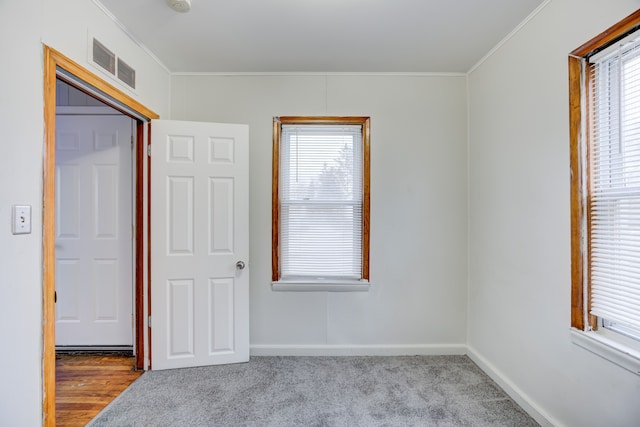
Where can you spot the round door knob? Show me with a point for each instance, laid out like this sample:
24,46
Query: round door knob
240,265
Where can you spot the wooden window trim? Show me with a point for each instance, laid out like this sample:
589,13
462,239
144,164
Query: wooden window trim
609,36
579,129
366,187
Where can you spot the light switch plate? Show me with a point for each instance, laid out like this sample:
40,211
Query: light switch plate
21,219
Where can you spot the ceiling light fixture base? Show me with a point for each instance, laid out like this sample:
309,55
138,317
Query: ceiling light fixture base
180,5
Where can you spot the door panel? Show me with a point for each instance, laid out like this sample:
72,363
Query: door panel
94,281
199,231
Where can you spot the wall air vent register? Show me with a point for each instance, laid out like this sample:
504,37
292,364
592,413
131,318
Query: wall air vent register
112,64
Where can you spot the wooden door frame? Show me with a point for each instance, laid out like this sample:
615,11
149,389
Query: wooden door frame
54,60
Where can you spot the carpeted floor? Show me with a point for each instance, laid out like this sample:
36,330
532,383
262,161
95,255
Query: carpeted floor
318,391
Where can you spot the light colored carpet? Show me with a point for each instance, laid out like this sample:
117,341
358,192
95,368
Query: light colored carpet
318,391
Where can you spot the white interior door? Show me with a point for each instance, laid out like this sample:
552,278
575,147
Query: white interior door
94,280
199,244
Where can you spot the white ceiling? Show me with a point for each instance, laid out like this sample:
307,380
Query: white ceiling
250,36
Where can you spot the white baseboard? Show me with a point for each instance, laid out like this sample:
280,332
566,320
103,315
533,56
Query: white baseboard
512,390
358,350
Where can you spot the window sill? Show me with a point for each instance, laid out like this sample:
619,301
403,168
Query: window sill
321,285
607,348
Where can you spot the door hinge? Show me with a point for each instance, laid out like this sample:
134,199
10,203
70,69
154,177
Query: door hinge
149,322
149,150
131,143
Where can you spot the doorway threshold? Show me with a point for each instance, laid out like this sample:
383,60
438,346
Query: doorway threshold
121,350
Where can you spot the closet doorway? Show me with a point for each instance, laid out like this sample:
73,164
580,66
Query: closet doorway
94,224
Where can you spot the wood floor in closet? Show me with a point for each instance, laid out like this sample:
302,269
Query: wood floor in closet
85,384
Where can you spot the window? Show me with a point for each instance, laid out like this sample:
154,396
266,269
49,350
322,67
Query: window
604,85
320,237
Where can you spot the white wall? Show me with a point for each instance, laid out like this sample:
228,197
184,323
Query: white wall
417,301
23,25
21,109
519,224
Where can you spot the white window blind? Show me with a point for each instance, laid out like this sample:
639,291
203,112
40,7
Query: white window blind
321,194
614,204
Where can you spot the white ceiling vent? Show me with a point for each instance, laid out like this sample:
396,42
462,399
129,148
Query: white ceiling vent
110,62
